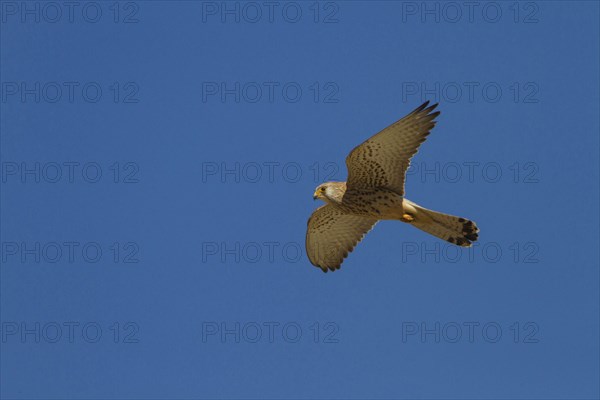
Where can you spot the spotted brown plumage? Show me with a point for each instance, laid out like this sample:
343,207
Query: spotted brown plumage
382,160
344,229
375,191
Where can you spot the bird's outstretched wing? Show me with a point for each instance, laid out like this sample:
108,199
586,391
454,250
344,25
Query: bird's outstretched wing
382,160
332,234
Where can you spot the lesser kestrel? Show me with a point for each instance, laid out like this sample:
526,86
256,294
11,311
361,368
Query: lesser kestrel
375,191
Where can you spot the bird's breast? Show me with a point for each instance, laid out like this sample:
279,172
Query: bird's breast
379,203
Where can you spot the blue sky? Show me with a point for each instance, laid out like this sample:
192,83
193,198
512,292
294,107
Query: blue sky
158,164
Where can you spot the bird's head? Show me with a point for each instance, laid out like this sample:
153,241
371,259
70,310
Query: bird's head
330,192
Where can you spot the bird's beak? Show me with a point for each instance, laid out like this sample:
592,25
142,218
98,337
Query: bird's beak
315,195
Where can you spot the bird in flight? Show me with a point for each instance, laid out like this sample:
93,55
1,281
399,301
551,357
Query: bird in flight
375,191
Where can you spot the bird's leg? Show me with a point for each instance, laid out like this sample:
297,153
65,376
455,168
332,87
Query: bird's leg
407,218
409,212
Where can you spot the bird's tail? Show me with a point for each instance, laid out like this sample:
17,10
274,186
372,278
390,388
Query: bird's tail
456,230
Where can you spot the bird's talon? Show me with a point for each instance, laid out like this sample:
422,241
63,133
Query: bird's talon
407,218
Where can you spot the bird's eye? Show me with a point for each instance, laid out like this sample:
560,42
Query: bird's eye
322,189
